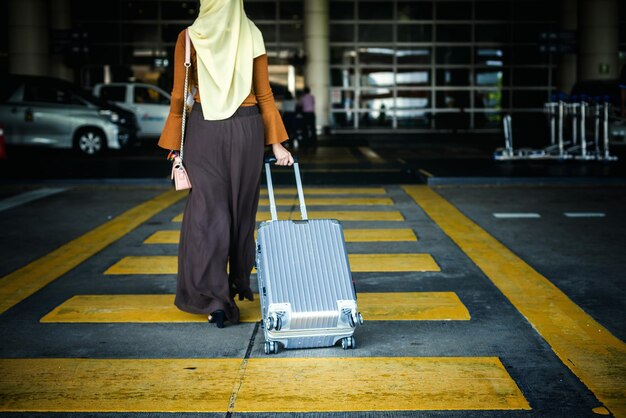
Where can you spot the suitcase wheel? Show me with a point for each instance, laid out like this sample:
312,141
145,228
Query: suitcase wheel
271,347
348,342
274,323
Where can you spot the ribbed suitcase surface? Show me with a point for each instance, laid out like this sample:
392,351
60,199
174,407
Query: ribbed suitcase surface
305,284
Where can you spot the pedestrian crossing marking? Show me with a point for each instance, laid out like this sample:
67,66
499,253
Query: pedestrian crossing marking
353,215
359,263
405,306
20,284
593,354
327,191
116,385
377,384
333,201
371,155
351,235
306,385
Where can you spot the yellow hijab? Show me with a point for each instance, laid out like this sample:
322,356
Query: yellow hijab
226,42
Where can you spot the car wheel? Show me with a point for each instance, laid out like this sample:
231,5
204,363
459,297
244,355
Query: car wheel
90,141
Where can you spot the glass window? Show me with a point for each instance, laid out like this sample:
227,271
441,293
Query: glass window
528,10
530,32
140,33
261,10
343,119
454,33
412,77
453,55
413,56
113,93
489,78
412,99
529,98
492,33
176,10
101,32
375,33
376,108
530,76
415,33
149,95
527,54
455,119
493,102
376,10
289,10
454,10
453,77
412,108
492,10
376,55
341,10
268,31
342,55
342,77
342,33
415,10
453,99
89,10
137,10
490,56
290,32
376,77
170,32
43,93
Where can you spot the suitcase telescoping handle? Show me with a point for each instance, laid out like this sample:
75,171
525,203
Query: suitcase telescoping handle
270,188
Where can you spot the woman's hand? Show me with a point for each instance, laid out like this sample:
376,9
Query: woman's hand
283,157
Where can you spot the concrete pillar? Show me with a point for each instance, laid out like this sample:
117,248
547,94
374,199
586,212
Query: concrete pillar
28,37
568,62
60,19
317,69
598,39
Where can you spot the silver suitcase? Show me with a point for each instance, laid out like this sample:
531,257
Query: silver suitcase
305,284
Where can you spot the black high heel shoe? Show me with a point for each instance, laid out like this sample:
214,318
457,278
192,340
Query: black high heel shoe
217,318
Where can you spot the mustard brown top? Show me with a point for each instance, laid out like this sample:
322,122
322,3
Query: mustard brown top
261,95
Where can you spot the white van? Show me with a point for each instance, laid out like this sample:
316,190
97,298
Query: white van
149,103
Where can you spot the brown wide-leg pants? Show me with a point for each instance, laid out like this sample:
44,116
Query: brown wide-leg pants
224,159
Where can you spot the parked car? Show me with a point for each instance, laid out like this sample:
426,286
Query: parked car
54,113
149,103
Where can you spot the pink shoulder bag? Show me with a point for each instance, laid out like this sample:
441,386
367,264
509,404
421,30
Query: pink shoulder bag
179,174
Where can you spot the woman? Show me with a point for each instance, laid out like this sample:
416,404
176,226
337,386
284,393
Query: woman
232,117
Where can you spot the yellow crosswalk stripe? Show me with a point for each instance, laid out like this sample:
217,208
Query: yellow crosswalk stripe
359,263
371,155
353,215
406,306
22,283
595,355
333,201
306,385
378,384
327,191
351,235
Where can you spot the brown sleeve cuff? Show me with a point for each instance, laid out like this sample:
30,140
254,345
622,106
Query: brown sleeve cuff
275,131
171,134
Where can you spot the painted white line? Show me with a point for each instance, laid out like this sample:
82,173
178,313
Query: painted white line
22,198
516,215
585,214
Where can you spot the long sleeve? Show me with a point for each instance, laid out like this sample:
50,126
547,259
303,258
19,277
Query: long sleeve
171,134
275,131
